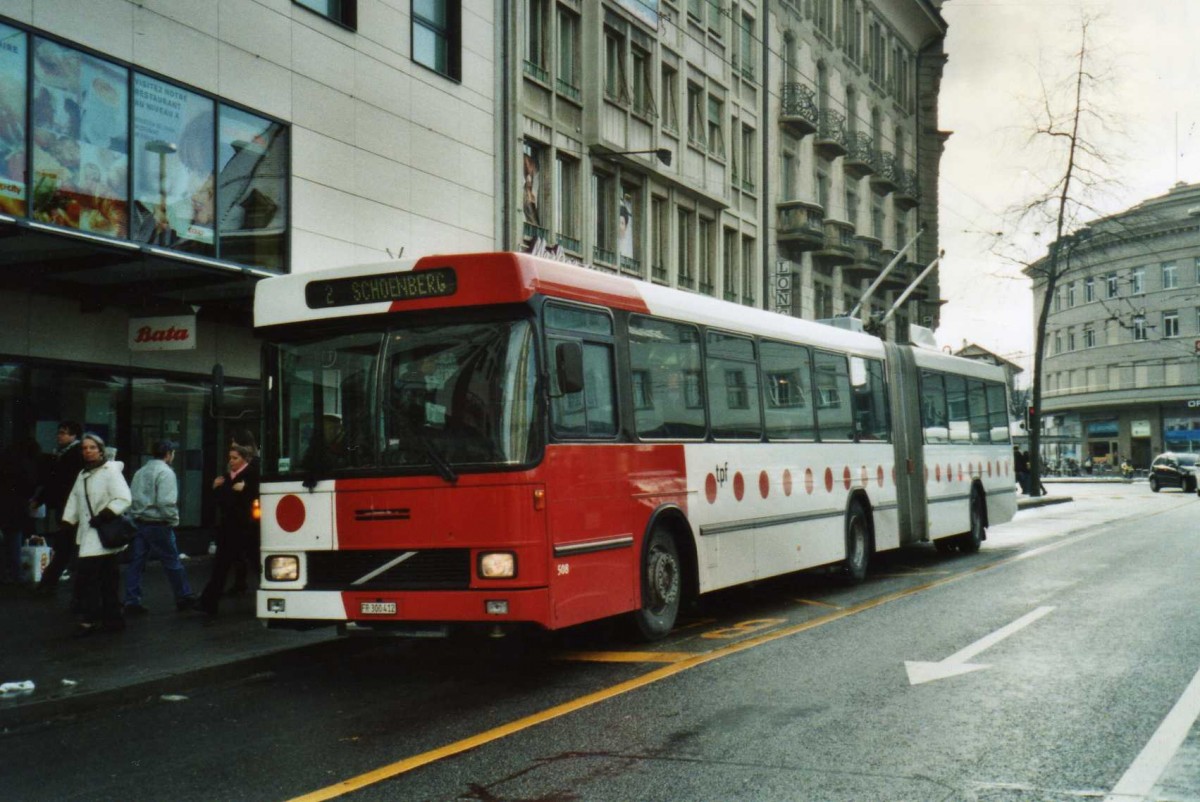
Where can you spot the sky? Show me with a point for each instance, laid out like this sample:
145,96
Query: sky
1000,54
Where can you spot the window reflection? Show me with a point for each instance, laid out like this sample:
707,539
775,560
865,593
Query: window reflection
251,196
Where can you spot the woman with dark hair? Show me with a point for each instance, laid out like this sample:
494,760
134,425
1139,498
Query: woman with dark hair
235,492
100,493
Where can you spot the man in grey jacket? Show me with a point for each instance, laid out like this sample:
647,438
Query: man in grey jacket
156,510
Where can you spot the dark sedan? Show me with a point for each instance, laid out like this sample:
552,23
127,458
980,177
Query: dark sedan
1174,470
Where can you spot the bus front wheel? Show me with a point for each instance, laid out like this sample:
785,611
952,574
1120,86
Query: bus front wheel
858,544
662,587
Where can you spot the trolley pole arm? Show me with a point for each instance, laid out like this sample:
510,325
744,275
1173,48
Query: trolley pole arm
866,296
908,291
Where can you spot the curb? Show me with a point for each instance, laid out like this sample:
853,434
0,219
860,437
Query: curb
1041,501
36,711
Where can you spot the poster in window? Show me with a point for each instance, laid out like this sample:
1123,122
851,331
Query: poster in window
625,226
13,83
173,155
80,139
531,172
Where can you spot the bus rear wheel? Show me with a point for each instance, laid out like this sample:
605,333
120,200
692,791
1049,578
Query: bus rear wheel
970,541
662,587
858,544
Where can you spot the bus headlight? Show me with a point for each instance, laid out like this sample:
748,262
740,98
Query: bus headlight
497,565
283,568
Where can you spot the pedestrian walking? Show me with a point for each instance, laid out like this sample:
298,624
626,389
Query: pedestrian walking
100,493
247,565
1021,469
68,462
18,485
155,509
235,492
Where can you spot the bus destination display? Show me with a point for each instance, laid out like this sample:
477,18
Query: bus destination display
386,287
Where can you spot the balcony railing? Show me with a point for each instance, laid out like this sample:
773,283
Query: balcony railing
799,109
860,156
568,90
658,274
831,134
687,282
603,256
800,226
631,266
535,70
839,245
570,243
908,193
884,179
536,232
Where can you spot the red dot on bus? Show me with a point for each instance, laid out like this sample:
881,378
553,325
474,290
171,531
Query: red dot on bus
710,489
862,476
289,513
989,467
949,473
808,481
739,486
960,472
764,484
829,480
787,482
879,475
937,473
846,477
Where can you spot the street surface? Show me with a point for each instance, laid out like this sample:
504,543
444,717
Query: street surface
1062,662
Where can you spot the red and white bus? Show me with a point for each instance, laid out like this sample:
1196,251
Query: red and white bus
504,439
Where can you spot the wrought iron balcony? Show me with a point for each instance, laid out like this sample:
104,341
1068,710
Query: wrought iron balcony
860,156
908,192
831,134
868,251
603,256
885,177
839,246
799,226
799,109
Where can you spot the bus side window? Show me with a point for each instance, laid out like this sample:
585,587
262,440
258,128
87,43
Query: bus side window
787,393
732,387
591,411
933,408
667,390
997,412
870,399
956,408
977,408
835,417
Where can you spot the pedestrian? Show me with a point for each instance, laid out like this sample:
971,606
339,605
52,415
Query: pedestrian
155,509
18,485
100,493
248,564
1021,469
68,462
236,493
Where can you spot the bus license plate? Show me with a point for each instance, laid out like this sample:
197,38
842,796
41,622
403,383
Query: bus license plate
377,608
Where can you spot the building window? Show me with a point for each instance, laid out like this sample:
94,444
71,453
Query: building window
1139,328
1058,299
707,256
686,273
1170,276
748,164
748,271
1198,269
1170,322
566,202
1071,295
1114,285
824,17
1139,280
1089,337
1070,339
729,275
660,232
568,54
746,46
533,159
343,12
695,111
604,199
715,127
643,88
436,36
822,179
537,24
788,168
670,99
1089,290
615,87
629,229
1058,342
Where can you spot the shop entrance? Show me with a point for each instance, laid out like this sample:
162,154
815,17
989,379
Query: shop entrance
1141,452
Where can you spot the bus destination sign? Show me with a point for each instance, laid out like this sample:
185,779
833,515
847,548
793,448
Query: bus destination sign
409,285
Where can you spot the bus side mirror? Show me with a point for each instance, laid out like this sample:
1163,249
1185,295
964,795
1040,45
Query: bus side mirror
218,389
568,359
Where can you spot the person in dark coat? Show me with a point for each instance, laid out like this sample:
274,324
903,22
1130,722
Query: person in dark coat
236,493
18,486
1021,469
68,462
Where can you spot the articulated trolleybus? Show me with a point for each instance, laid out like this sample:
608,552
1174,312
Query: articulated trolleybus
501,439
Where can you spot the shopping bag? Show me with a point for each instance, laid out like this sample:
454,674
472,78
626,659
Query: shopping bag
34,560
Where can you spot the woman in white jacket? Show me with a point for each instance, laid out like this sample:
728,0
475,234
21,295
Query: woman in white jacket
101,487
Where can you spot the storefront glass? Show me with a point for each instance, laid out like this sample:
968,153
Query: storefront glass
252,189
173,409
173,158
80,140
13,89
1182,433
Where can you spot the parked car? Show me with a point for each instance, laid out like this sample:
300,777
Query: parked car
1174,470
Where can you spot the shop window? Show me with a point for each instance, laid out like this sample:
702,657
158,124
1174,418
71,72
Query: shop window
343,12
14,86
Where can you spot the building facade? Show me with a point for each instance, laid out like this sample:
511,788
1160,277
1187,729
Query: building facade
1121,373
157,158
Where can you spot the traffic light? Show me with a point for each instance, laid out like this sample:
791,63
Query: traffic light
1029,414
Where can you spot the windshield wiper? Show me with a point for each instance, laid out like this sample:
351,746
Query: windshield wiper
443,468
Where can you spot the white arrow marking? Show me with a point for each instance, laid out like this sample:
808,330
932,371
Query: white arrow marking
956,663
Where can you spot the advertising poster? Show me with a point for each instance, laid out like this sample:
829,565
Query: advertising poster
13,78
80,140
625,227
173,155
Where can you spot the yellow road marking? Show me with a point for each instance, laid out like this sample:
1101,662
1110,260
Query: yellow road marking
815,603
625,657
503,731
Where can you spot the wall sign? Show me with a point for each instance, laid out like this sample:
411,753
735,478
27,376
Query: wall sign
1139,428
169,333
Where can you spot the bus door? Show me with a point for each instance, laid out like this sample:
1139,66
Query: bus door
908,442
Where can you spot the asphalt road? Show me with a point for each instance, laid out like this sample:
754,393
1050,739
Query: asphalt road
1053,665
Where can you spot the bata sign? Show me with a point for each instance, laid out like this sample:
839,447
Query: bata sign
174,333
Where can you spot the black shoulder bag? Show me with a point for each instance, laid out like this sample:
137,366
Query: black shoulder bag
116,531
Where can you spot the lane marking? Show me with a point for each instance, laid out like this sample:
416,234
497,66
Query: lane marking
503,731
816,603
1141,777
955,664
625,657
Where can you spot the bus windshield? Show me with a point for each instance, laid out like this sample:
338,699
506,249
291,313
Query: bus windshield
421,399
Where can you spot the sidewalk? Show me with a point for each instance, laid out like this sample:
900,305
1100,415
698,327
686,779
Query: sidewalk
161,652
